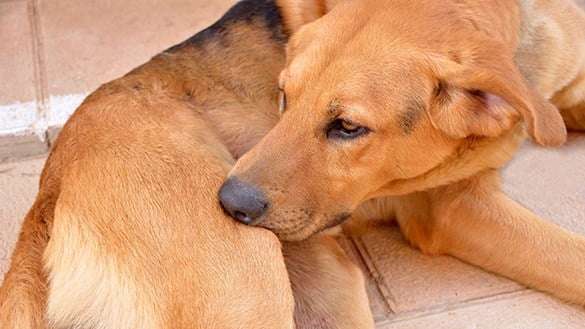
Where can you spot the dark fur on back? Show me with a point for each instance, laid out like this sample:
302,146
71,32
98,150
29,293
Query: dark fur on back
262,13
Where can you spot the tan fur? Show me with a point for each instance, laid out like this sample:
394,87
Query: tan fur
126,231
447,91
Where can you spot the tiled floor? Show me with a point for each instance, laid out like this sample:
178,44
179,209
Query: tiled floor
55,52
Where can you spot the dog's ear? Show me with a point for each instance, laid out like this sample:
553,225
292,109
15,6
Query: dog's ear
297,13
462,112
486,94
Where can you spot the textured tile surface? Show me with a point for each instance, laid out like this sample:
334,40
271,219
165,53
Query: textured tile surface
551,182
21,145
88,43
413,283
18,188
17,83
529,311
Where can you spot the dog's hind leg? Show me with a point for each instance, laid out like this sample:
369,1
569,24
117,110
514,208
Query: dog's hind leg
23,294
476,222
329,290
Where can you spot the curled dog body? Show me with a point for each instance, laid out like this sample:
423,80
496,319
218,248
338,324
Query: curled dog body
126,231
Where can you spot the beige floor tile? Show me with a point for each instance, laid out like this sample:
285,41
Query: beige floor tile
17,70
413,283
18,189
21,146
378,304
88,43
530,311
18,105
551,182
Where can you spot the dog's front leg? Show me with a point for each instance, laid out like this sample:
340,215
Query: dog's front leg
329,290
476,222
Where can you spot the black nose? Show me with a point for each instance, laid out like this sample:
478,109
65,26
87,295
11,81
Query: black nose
244,202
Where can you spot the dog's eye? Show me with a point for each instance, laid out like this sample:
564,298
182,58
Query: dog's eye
343,128
282,99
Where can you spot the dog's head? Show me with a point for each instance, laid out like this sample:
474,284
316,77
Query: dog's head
373,93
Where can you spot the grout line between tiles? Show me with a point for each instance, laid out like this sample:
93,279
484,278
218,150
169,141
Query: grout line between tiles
40,126
366,257
360,258
445,308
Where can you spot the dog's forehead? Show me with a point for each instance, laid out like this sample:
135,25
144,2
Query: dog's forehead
394,77
367,25
314,52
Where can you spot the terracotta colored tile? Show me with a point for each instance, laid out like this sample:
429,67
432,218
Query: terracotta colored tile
17,70
378,304
52,133
532,310
21,145
413,283
19,185
87,43
18,103
17,116
550,181
18,93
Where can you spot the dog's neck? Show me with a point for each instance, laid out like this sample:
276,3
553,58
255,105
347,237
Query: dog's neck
471,158
240,57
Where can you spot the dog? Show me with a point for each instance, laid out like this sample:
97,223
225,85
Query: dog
405,110
127,232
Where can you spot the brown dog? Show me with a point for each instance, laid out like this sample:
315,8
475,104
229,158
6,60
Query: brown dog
126,231
421,102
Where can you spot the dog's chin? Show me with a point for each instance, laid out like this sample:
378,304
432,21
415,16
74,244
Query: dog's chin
306,230
298,235
295,232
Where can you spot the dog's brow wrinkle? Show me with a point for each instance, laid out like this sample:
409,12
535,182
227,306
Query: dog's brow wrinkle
410,117
333,108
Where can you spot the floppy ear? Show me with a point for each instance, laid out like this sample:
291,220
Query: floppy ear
297,13
462,112
486,95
